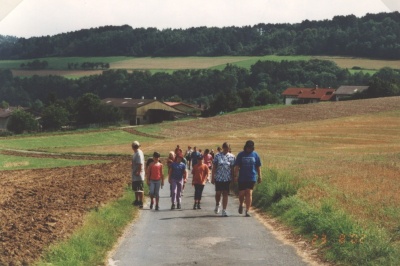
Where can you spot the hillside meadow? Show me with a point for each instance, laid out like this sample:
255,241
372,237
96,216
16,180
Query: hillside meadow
58,65
339,159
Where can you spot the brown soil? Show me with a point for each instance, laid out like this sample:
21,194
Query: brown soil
38,207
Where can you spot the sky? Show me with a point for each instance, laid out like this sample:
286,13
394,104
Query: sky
28,18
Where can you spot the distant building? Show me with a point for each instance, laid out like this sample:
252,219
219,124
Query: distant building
344,91
307,95
185,108
143,111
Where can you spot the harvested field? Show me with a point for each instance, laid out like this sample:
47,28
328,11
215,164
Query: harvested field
287,115
38,207
48,72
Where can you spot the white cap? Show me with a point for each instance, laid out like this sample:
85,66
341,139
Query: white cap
136,143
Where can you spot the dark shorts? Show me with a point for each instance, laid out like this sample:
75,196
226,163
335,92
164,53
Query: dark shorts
222,186
137,186
246,185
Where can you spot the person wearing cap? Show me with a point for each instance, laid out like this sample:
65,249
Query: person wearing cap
247,173
137,174
177,175
222,175
155,179
200,173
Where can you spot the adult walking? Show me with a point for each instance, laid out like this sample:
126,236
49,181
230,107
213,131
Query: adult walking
177,175
247,173
222,175
137,174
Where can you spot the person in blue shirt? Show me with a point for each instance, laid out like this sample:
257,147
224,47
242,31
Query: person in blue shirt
177,176
247,173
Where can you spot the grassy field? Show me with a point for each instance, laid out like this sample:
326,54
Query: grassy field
93,142
58,65
9,162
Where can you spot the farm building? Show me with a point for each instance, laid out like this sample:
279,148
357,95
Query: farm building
185,108
307,95
344,92
143,111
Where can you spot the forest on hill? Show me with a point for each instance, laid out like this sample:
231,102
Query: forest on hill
373,36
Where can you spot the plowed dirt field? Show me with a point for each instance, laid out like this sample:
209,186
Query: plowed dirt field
38,207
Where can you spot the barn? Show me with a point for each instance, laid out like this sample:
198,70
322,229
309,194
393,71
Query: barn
143,111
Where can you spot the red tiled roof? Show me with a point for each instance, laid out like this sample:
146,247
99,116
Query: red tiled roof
310,93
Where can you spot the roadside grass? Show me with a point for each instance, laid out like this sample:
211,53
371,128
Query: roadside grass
88,139
10,162
331,230
90,244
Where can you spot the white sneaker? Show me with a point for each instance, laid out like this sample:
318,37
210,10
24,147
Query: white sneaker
216,210
224,213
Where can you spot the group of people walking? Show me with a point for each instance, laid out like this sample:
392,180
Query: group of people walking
223,166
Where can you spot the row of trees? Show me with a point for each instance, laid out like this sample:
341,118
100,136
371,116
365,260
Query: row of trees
374,35
89,65
265,79
86,110
35,65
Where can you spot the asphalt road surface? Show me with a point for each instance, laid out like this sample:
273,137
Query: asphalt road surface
200,237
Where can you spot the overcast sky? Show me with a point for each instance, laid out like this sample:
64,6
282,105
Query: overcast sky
27,18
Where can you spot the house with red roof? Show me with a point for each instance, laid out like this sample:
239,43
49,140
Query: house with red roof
308,95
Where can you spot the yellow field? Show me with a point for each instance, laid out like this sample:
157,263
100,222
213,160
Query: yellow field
194,62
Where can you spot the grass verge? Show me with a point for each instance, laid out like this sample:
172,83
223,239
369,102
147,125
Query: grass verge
10,162
337,236
90,244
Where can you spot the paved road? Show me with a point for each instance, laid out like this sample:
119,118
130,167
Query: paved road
189,237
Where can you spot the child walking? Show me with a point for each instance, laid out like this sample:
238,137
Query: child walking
155,179
200,173
176,177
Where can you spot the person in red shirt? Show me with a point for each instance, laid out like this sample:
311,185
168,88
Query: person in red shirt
200,173
155,179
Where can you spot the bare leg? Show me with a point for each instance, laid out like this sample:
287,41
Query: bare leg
217,197
224,199
249,196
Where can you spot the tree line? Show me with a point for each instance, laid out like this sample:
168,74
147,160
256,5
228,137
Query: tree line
373,35
216,90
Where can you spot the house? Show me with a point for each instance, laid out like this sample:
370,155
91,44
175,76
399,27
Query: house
307,95
185,108
143,111
344,91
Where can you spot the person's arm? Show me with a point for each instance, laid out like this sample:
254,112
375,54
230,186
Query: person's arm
184,176
169,175
148,174
236,173
214,169
259,180
162,176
